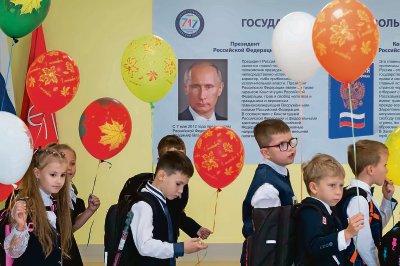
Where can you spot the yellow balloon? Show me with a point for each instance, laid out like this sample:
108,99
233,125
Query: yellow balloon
148,68
393,164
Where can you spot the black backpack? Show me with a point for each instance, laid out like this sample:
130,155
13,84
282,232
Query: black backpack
389,250
118,242
274,239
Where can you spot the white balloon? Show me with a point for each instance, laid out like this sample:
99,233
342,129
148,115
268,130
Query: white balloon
16,148
292,46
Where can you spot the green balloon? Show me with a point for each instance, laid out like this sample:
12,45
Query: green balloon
20,17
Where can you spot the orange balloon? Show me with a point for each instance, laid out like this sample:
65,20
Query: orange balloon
345,39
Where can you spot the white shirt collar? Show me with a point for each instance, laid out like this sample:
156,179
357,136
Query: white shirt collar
328,208
360,184
156,192
197,117
46,198
279,169
51,216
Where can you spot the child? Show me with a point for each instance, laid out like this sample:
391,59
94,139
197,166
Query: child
151,226
369,169
270,186
176,206
79,213
321,239
42,205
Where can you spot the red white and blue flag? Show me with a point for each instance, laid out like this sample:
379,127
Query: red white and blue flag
358,113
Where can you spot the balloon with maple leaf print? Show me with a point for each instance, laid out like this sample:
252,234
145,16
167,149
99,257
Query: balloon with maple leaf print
218,156
52,81
345,39
105,128
20,17
148,68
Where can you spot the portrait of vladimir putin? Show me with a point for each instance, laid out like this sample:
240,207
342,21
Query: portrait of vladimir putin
202,85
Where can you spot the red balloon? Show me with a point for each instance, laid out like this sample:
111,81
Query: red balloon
52,81
218,156
105,127
5,191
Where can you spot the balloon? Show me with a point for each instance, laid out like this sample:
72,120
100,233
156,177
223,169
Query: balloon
16,148
5,191
345,39
19,18
218,156
393,164
105,127
148,68
52,81
292,46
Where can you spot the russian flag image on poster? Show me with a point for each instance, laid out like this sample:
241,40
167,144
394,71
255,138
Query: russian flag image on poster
362,99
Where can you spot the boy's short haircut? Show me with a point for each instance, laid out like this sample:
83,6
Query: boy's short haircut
168,142
175,161
320,166
368,152
264,131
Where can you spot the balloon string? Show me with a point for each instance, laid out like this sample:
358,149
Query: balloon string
94,184
95,177
14,41
355,156
200,259
215,209
152,107
300,89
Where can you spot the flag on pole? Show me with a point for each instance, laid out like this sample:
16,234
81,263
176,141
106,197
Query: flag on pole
6,88
43,126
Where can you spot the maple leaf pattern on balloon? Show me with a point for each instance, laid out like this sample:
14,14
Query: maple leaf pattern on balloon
131,66
69,67
49,75
321,49
227,147
341,33
209,161
114,134
228,171
170,66
27,6
152,75
31,82
65,91
366,47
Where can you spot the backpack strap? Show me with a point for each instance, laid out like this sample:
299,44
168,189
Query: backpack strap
139,196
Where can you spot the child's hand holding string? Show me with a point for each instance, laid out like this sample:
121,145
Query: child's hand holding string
19,214
388,189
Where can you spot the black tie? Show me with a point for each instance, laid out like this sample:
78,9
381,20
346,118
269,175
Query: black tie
172,261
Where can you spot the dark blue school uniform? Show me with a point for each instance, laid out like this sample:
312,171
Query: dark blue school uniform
264,174
317,236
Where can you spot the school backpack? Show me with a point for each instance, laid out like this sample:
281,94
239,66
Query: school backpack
274,239
118,242
389,250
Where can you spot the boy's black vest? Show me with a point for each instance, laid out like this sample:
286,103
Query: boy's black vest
375,221
327,225
130,254
265,174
